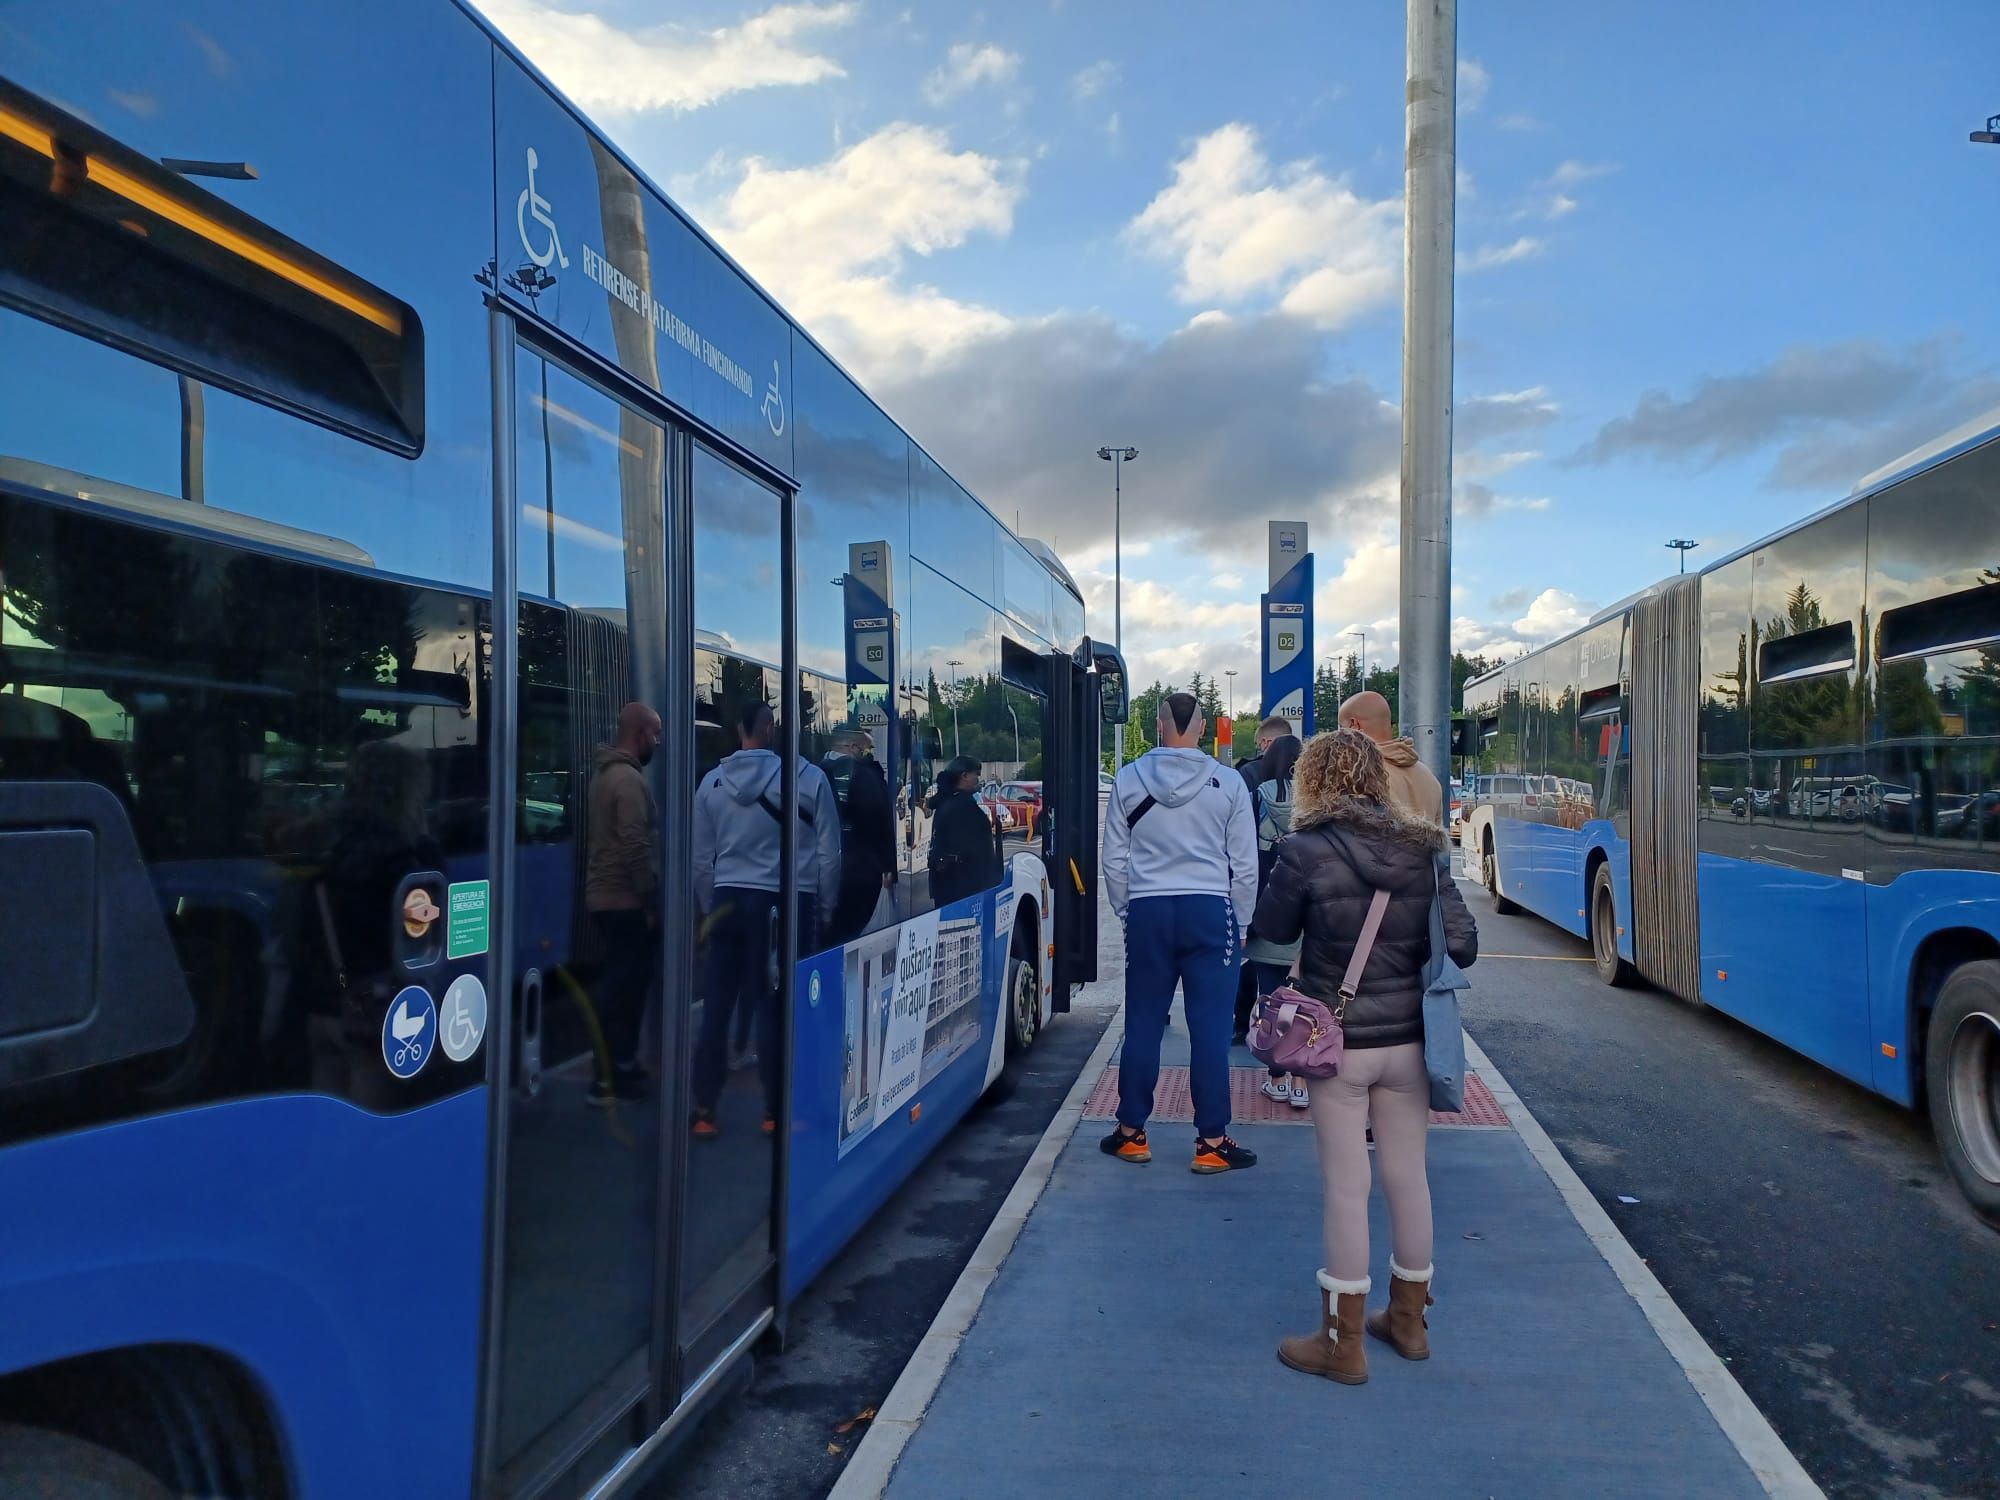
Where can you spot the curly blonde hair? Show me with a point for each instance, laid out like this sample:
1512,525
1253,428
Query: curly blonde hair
1342,764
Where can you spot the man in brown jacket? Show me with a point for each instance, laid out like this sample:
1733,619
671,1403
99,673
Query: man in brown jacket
622,889
1412,787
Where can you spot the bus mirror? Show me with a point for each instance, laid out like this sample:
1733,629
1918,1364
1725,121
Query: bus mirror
1469,735
933,743
1111,703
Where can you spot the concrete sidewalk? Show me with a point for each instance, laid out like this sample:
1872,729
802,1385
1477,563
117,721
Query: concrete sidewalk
1125,1344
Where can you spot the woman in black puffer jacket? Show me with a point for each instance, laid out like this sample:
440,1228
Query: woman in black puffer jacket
1346,844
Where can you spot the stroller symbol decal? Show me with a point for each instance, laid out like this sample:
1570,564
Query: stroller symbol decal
409,1032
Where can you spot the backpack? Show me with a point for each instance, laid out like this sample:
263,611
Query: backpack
1274,814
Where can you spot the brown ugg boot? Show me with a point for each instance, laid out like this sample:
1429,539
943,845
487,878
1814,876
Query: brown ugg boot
1336,1350
1401,1325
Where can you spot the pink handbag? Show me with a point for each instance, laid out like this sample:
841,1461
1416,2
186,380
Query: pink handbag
1297,1034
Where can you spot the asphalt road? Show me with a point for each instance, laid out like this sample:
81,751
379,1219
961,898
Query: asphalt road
1806,1227
856,1327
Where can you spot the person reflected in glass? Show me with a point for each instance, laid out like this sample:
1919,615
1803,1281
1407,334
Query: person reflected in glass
622,892
965,837
738,863
867,832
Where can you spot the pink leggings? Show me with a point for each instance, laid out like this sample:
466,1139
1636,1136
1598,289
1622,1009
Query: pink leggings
1389,1086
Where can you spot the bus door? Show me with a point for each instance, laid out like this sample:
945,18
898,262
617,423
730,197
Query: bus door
580,920
1087,692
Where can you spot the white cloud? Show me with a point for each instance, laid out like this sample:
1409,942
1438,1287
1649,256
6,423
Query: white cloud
1227,582
966,66
1088,83
670,66
1241,230
1486,257
1573,172
830,240
1473,83
1520,124
1554,612
1561,206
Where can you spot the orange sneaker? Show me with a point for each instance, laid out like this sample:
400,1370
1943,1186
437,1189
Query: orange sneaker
770,1126
704,1128
1132,1148
1224,1156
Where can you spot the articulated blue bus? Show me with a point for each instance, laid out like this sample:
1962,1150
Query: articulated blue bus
372,432
1773,787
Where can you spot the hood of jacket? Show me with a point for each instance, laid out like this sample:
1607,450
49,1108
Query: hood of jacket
1386,835
612,755
749,774
1402,754
1172,774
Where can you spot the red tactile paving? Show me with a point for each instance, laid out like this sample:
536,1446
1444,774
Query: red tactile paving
1248,1106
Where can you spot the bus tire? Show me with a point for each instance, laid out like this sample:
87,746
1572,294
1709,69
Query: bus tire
36,1463
1612,969
1489,876
1024,1001
1962,1077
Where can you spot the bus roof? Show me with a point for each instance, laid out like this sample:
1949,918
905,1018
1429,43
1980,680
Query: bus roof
1041,551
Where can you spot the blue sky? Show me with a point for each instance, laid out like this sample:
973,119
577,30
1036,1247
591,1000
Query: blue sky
1717,262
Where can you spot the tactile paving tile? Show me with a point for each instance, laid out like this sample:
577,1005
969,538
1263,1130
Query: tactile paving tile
1247,1105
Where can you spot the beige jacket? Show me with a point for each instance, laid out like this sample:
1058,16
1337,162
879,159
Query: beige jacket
624,869
1412,787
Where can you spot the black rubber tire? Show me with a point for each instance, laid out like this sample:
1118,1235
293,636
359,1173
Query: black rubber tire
1612,969
1023,1003
36,1464
1489,876
1962,1077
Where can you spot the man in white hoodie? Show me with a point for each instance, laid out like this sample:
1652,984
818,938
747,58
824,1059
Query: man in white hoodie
1180,869
738,863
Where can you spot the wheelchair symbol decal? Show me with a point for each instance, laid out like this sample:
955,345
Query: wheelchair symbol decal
532,204
774,404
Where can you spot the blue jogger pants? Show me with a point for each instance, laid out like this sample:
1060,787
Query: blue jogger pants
1191,941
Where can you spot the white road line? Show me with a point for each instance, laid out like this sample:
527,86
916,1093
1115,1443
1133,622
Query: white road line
867,1473
1759,1444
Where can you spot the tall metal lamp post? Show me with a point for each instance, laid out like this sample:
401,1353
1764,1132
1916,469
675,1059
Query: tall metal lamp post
1683,545
1364,655
1117,458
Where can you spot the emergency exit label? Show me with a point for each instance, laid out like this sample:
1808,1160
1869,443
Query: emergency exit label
467,926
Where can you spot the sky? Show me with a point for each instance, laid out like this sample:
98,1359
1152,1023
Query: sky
1716,262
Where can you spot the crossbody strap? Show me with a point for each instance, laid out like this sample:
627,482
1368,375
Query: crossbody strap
1349,986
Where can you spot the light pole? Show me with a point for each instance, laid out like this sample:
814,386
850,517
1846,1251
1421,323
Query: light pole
194,404
1117,458
1683,545
1990,136
1230,673
1364,655
954,663
1017,737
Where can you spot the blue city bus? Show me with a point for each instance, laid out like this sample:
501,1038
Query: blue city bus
1773,787
373,431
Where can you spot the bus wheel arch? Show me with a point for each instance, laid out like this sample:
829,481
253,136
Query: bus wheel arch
193,1420
1023,1018
1601,922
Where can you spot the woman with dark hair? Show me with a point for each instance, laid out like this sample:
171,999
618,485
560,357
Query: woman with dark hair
965,843
1269,962
1347,844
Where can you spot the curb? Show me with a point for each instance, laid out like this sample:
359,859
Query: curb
1755,1440
867,1473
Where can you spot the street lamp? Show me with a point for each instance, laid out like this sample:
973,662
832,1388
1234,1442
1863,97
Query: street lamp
1117,458
1364,653
1990,136
194,404
1230,673
954,663
1683,545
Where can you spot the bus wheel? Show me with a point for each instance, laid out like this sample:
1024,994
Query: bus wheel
37,1462
1489,876
1611,968
1962,1075
1024,1003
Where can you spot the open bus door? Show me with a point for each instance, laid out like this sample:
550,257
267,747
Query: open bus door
1086,691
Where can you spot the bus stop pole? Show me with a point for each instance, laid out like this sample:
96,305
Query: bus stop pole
1429,170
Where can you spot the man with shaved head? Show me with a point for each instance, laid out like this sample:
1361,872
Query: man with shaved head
621,888
1412,787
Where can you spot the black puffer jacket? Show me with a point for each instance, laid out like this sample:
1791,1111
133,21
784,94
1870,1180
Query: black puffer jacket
1336,857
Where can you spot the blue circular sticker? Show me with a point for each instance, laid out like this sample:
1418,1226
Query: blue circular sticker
812,988
409,1032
